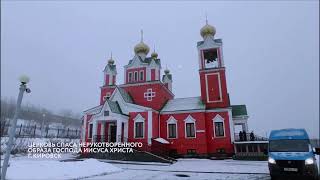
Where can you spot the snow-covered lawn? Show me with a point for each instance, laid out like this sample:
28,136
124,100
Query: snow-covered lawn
26,168
22,167
194,169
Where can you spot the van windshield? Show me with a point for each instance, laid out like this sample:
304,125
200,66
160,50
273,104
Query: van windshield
286,145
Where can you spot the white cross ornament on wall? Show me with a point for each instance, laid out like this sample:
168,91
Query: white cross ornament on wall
149,94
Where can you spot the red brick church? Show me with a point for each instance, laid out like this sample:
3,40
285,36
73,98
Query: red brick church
143,108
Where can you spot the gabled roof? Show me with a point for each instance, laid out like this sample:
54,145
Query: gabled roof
146,60
114,107
127,98
239,110
183,104
215,40
168,75
112,67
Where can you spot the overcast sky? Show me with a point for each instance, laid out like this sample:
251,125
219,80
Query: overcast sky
271,52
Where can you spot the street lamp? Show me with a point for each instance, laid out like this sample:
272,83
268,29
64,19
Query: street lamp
42,124
23,88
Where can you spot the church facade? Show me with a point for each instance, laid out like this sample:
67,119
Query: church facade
143,108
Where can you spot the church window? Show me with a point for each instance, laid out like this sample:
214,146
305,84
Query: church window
172,130
90,131
136,76
138,126
139,130
130,77
190,130
106,113
141,76
218,126
219,129
210,58
107,96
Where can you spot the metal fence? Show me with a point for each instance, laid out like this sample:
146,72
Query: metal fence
40,132
248,137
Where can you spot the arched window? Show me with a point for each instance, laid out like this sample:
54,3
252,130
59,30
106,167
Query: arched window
218,126
190,127
138,126
172,132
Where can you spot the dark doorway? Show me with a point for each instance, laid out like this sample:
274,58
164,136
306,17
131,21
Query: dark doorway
113,133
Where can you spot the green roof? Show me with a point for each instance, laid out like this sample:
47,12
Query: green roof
114,107
125,95
147,60
239,110
168,75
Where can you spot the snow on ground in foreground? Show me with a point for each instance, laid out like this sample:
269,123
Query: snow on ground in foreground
194,168
207,165
24,168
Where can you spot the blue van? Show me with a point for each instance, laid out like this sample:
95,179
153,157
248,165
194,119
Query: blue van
290,153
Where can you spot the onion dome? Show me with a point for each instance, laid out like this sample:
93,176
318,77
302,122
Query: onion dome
111,60
207,30
141,47
166,71
154,55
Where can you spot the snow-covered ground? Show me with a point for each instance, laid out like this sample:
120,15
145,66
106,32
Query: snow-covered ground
22,167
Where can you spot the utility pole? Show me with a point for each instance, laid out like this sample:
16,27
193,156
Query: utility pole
23,88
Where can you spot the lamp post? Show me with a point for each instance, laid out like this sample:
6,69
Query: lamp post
42,125
23,88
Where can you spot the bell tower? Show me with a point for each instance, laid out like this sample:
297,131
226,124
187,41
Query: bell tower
211,69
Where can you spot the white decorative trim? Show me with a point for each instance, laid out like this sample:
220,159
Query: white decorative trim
172,120
220,119
149,94
231,125
149,126
219,83
190,119
130,79
141,76
136,76
149,83
138,118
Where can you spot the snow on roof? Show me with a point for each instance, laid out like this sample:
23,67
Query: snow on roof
161,140
180,104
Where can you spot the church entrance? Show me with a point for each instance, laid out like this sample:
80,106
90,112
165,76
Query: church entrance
113,133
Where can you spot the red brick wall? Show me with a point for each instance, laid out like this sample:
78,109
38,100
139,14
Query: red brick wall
215,143
213,84
182,144
104,91
161,96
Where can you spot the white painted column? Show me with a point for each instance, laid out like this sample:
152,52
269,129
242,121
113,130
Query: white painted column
231,125
119,128
84,127
102,129
125,132
149,127
94,130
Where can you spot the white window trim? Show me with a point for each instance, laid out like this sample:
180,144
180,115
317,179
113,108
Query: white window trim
134,77
172,120
138,118
190,119
218,118
130,79
141,71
